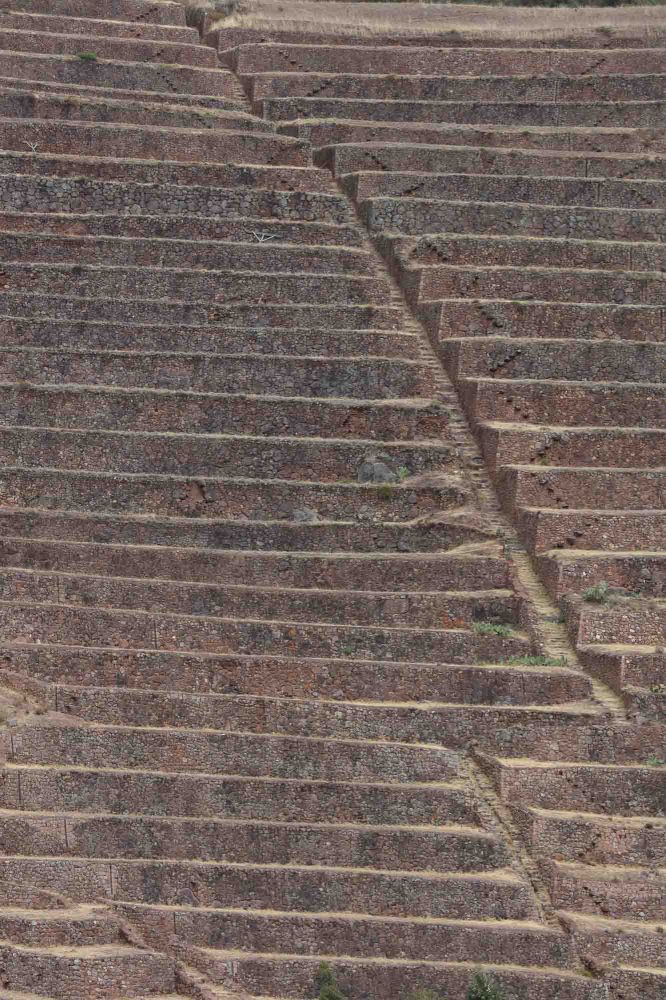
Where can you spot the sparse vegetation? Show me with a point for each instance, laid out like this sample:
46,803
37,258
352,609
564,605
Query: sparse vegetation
87,56
327,985
427,995
596,594
655,761
485,988
492,628
403,472
386,491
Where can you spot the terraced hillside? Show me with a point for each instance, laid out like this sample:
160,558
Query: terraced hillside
280,681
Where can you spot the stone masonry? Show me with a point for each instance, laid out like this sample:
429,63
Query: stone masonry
333,505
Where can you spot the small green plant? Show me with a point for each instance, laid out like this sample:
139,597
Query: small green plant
658,689
484,988
327,985
492,628
538,661
403,472
87,56
347,650
596,594
426,995
655,761
386,491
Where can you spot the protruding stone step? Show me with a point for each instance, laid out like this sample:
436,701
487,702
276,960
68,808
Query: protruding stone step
576,404
595,489
598,788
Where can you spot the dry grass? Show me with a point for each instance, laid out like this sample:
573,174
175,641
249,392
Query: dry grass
413,19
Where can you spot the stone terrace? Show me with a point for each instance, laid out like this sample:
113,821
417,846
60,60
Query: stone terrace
280,683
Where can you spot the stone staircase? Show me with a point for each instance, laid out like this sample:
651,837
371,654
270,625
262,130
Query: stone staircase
279,682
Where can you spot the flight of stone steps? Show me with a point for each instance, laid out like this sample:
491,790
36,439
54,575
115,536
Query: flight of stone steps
278,684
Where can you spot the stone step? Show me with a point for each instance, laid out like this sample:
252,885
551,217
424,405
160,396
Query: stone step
111,251
425,610
130,49
578,570
598,788
364,379
484,88
193,285
116,74
167,203
623,667
143,11
573,192
623,620
234,754
185,144
413,216
355,936
52,107
94,627
164,410
497,895
636,982
70,927
325,460
554,284
56,787
611,361
399,60
89,491
348,158
65,24
548,320
620,530
173,312
380,978
622,893
209,339
545,731
467,567
84,972
576,404
617,942
544,114
509,443
430,252
592,838
595,489
444,849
